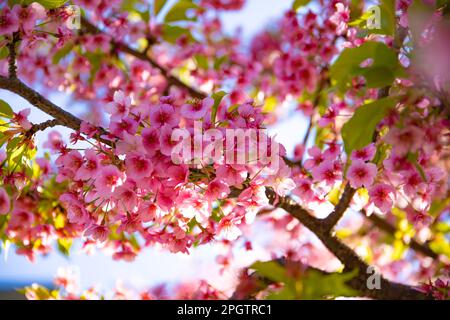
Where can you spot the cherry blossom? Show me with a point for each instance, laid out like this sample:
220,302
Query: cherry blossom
9,21
361,174
197,109
382,196
112,184
4,201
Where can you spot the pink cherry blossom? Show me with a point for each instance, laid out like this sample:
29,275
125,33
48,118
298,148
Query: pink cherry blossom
21,219
162,115
149,212
124,125
138,167
22,119
76,213
365,154
97,41
327,172
54,142
405,140
227,227
197,109
165,140
90,166
340,18
4,201
120,107
232,175
108,178
97,232
150,140
29,15
317,158
382,195
361,174
217,189
281,181
9,21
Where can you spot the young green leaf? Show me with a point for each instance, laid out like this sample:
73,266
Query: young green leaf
179,11
63,52
172,33
158,5
299,3
51,4
271,270
378,19
358,131
381,71
218,96
5,110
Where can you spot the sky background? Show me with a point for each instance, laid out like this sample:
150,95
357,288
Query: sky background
152,266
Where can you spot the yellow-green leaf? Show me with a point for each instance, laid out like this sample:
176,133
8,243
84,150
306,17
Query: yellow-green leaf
358,131
5,110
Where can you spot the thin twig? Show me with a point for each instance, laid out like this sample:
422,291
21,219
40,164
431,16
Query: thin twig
42,126
344,202
385,226
171,79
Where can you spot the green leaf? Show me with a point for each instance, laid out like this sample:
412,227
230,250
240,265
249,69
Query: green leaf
299,3
61,53
145,15
51,4
284,294
201,61
218,96
95,61
387,8
64,246
5,110
158,5
382,14
271,270
3,52
319,286
219,61
381,72
441,245
172,33
270,104
358,131
413,158
179,11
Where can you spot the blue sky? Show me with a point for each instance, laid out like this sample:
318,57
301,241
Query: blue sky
152,266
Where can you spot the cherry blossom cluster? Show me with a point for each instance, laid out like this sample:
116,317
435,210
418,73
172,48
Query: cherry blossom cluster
68,288
115,183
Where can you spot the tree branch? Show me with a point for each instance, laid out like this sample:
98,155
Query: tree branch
344,202
385,226
350,260
42,126
172,80
18,87
12,67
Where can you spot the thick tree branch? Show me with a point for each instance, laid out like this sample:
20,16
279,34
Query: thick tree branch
350,260
172,80
385,226
18,87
